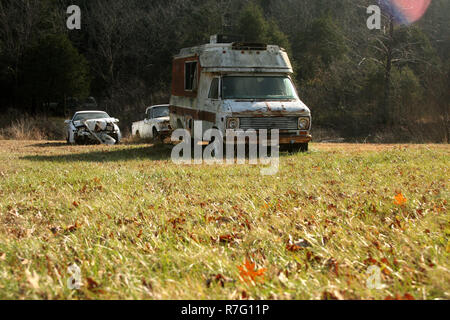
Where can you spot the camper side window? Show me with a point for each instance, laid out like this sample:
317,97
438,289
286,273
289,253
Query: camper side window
190,73
214,90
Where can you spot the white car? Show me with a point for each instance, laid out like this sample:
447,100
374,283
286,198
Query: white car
92,127
155,125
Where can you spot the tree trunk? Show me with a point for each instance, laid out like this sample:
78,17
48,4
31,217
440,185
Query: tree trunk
387,77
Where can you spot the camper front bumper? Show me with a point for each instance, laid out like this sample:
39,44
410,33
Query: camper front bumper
284,138
303,138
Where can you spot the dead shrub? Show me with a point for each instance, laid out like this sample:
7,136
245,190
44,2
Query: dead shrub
33,128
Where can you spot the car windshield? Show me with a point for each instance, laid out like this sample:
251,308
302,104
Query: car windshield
90,115
258,88
160,112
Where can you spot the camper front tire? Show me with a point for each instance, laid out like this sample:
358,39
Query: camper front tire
300,147
304,147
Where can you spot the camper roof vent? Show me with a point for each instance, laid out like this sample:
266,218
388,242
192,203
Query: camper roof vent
249,46
224,38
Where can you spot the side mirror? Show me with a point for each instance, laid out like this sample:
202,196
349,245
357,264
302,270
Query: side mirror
67,121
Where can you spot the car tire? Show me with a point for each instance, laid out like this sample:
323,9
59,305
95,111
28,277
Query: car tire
156,136
115,136
80,141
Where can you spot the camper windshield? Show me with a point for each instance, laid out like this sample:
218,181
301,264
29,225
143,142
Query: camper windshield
259,88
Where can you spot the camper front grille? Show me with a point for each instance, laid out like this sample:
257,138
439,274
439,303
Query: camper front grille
282,123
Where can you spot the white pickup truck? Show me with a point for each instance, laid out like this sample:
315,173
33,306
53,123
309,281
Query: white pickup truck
155,125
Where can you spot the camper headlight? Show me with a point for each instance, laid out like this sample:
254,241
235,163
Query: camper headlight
233,123
303,123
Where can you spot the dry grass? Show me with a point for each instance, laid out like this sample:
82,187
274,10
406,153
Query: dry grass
33,128
141,227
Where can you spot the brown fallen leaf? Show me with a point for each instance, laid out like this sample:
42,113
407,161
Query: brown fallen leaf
371,262
335,295
54,230
333,266
222,220
176,222
228,238
332,207
406,296
311,257
147,284
82,190
293,248
72,228
297,245
93,285
303,243
246,224
219,279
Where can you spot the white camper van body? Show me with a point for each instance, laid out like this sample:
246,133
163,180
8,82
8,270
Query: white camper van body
238,86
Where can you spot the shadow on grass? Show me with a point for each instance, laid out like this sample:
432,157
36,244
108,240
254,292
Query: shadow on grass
154,153
49,145
125,142
138,151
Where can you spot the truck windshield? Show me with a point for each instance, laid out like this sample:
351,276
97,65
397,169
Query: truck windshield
259,88
160,112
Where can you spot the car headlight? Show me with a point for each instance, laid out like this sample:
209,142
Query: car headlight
303,123
233,123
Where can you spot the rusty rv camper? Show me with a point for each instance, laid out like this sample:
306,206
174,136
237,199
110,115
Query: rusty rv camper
238,86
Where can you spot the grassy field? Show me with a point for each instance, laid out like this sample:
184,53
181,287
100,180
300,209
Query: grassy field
141,227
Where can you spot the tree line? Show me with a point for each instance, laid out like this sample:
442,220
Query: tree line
379,85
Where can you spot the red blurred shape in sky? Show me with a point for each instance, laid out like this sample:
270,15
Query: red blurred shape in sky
412,10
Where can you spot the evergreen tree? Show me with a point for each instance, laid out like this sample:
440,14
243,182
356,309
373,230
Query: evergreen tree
52,70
